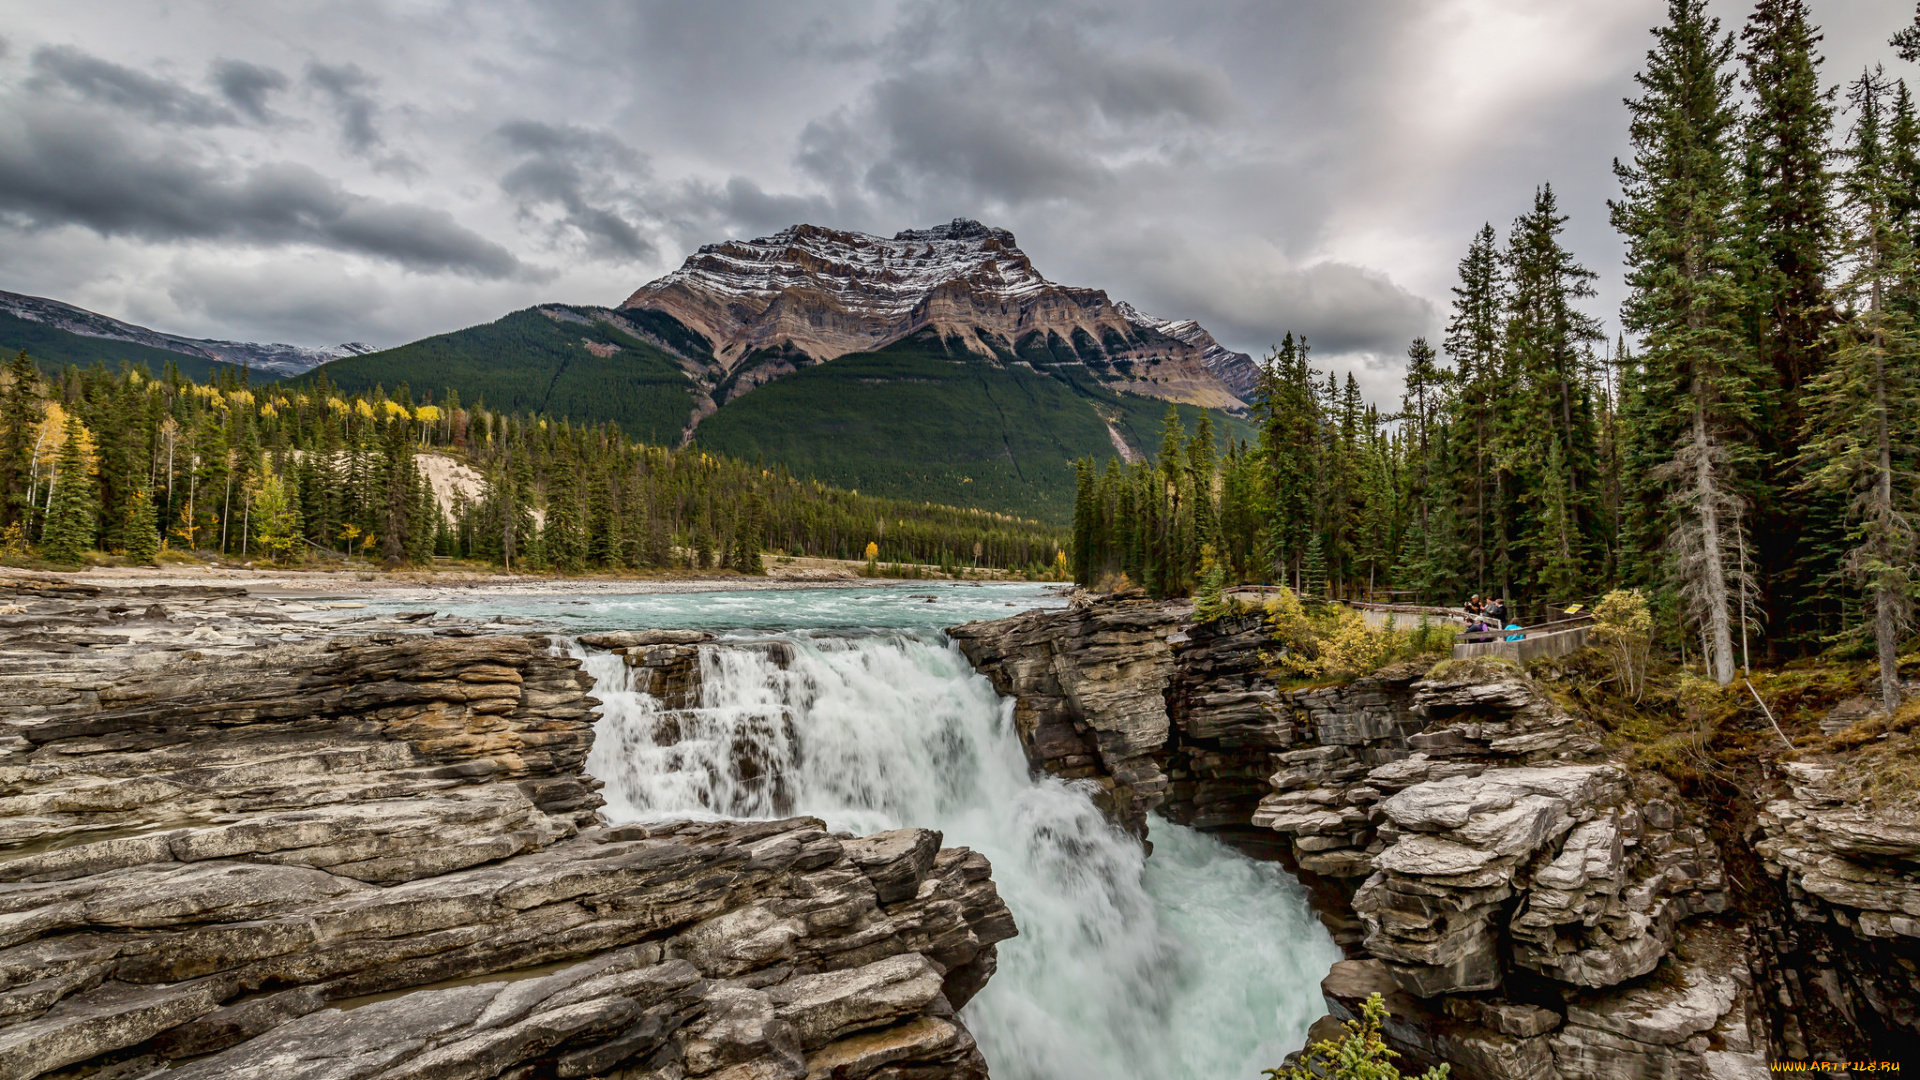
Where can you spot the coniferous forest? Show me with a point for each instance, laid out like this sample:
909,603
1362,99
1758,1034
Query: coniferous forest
1748,458
125,463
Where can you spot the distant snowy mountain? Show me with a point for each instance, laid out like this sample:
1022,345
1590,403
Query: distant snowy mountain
810,294
275,359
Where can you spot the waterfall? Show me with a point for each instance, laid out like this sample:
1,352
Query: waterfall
1196,963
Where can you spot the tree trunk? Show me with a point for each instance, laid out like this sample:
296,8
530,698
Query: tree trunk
1886,605
1717,631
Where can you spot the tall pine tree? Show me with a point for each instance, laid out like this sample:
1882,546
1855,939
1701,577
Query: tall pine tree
1787,239
1701,385
72,510
1863,422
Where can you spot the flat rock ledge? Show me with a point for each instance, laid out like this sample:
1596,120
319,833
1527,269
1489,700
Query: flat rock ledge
248,839
1529,907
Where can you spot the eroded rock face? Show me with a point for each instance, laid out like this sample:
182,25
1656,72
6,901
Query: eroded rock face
1517,895
216,843
1851,874
1089,687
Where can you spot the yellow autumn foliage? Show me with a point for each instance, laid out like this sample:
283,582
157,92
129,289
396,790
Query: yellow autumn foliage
1337,642
51,435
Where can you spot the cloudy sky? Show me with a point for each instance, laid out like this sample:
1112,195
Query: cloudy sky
379,170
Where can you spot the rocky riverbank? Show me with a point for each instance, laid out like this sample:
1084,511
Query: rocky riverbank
239,839
1530,906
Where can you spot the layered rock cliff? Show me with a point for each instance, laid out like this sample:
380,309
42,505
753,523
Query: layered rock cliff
808,294
1528,904
238,841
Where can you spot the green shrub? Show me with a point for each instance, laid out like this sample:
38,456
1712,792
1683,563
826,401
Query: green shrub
1334,641
1359,1055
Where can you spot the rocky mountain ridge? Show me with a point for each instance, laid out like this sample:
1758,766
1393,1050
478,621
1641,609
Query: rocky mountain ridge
811,294
1236,369
275,359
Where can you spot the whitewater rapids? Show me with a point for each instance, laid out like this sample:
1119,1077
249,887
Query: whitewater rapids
1197,962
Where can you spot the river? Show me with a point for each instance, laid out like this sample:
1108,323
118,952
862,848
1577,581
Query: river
850,704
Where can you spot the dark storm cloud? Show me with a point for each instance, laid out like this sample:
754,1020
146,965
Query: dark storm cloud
246,86
136,93
1261,167
941,115
580,172
1339,307
61,168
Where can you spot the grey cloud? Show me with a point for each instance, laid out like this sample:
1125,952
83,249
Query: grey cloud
346,87
56,169
745,204
582,172
1149,86
1005,104
246,86
123,88
1340,307
1249,298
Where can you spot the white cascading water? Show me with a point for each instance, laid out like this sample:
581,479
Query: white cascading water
1198,962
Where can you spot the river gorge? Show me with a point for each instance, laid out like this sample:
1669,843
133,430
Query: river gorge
911,831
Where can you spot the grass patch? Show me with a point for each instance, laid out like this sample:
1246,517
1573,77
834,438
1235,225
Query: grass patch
1473,668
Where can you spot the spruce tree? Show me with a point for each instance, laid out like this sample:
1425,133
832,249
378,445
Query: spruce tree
1475,342
1788,236
749,536
1702,386
1289,444
1202,470
19,414
1907,41
1548,424
138,529
1084,523
1863,422
69,531
1175,522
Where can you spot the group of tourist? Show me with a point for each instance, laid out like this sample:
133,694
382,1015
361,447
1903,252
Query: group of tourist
1488,615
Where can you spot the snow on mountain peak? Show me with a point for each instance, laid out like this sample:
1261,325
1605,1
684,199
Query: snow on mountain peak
820,293
873,275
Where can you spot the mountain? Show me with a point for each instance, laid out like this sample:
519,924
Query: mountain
584,363
935,365
1236,369
808,294
43,327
